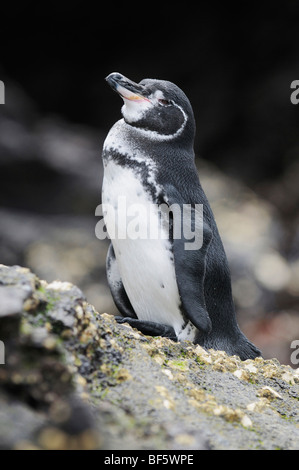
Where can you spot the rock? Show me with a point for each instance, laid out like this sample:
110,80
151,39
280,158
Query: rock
12,299
76,379
269,393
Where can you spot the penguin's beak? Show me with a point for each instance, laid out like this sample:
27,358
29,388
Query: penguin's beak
126,88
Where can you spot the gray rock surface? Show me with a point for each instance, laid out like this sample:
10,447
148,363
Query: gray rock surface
75,379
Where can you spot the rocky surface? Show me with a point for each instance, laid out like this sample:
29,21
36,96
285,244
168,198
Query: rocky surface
75,379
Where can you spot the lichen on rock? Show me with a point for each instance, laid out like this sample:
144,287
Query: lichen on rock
74,378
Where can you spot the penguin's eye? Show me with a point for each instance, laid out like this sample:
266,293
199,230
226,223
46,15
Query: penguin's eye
164,102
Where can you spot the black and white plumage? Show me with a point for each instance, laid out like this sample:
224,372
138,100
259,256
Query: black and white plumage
157,285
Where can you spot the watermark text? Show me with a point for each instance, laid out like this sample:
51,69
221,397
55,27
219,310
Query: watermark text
2,353
123,221
295,94
2,92
295,353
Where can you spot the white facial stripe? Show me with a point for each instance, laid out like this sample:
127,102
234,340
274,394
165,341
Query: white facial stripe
163,137
158,95
135,107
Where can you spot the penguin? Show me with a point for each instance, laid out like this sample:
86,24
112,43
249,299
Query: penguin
160,284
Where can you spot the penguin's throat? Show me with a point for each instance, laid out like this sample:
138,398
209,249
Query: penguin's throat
134,108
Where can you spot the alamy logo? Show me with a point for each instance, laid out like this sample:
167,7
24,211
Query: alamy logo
151,222
295,94
295,354
2,353
2,92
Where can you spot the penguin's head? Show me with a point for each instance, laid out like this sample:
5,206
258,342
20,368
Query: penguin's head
158,108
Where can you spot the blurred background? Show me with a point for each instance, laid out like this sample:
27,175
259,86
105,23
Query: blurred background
236,71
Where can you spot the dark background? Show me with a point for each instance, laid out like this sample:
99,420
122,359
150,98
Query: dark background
236,70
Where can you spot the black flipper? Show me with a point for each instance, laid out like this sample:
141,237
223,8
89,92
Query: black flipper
117,289
190,261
